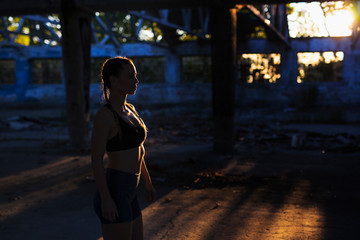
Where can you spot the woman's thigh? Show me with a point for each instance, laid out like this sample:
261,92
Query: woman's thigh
116,231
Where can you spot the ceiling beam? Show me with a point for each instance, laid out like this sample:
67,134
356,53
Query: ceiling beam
267,24
20,7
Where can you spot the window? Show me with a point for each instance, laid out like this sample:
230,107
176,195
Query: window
7,72
196,69
259,68
150,69
46,71
320,66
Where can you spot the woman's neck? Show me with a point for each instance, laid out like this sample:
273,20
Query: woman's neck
118,102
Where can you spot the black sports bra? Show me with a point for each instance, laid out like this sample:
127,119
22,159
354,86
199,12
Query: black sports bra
128,137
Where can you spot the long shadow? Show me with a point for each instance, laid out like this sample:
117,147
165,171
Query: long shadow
337,191
269,192
339,211
301,187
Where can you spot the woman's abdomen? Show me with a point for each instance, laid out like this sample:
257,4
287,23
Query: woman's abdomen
125,160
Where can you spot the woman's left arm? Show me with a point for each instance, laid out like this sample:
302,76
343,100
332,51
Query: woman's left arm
151,194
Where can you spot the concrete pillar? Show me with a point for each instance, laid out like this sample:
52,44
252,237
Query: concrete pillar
22,76
351,71
173,70
223,46
289,67
76,46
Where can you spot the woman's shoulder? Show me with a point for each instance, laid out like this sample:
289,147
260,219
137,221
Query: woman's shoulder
104,110
104,114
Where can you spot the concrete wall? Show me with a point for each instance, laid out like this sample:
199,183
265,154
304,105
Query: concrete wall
285,93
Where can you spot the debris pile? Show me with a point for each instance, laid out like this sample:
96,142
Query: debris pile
265,137
176,129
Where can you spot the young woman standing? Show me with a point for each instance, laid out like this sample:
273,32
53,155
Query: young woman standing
120,132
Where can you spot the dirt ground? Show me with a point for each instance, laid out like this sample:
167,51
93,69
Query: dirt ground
265,189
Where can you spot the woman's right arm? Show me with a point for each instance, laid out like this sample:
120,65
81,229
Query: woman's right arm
102,124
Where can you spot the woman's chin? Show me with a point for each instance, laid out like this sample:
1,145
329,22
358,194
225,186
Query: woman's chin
132,93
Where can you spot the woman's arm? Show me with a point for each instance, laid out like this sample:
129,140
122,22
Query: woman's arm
101,129
151,194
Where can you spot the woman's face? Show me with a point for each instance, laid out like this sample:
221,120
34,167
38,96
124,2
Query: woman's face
126,81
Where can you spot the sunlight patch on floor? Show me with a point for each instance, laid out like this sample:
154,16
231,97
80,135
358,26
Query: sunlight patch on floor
206,213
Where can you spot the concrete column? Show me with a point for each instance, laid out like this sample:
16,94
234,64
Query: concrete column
289,67
351,71
22,77
173,70
76,46
223,45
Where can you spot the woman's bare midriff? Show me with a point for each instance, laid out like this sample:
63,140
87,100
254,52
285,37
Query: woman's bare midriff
126,160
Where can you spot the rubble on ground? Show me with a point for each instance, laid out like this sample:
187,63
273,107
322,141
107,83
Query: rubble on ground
173,128
265,137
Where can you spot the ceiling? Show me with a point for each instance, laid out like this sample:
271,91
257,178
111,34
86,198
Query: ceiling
20,7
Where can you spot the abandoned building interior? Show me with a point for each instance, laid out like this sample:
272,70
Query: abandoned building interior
252,110
231,54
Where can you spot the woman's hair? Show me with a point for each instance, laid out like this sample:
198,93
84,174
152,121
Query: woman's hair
112,67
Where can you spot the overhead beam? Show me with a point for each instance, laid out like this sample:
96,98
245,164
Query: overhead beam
18,7
267,24
186,26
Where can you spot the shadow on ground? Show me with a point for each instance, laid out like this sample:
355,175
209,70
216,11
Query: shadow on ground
259,195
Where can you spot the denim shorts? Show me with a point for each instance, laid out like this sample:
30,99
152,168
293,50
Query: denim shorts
123,190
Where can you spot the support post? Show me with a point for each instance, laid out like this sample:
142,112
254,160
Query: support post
223,45
76,47
22,77
288,67
173,71
351,72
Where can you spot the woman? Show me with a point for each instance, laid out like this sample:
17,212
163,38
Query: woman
120,132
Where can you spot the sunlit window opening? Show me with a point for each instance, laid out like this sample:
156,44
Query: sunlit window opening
316,19
320,67
259,68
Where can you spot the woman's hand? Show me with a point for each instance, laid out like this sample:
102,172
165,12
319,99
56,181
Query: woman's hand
150,192
109,209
